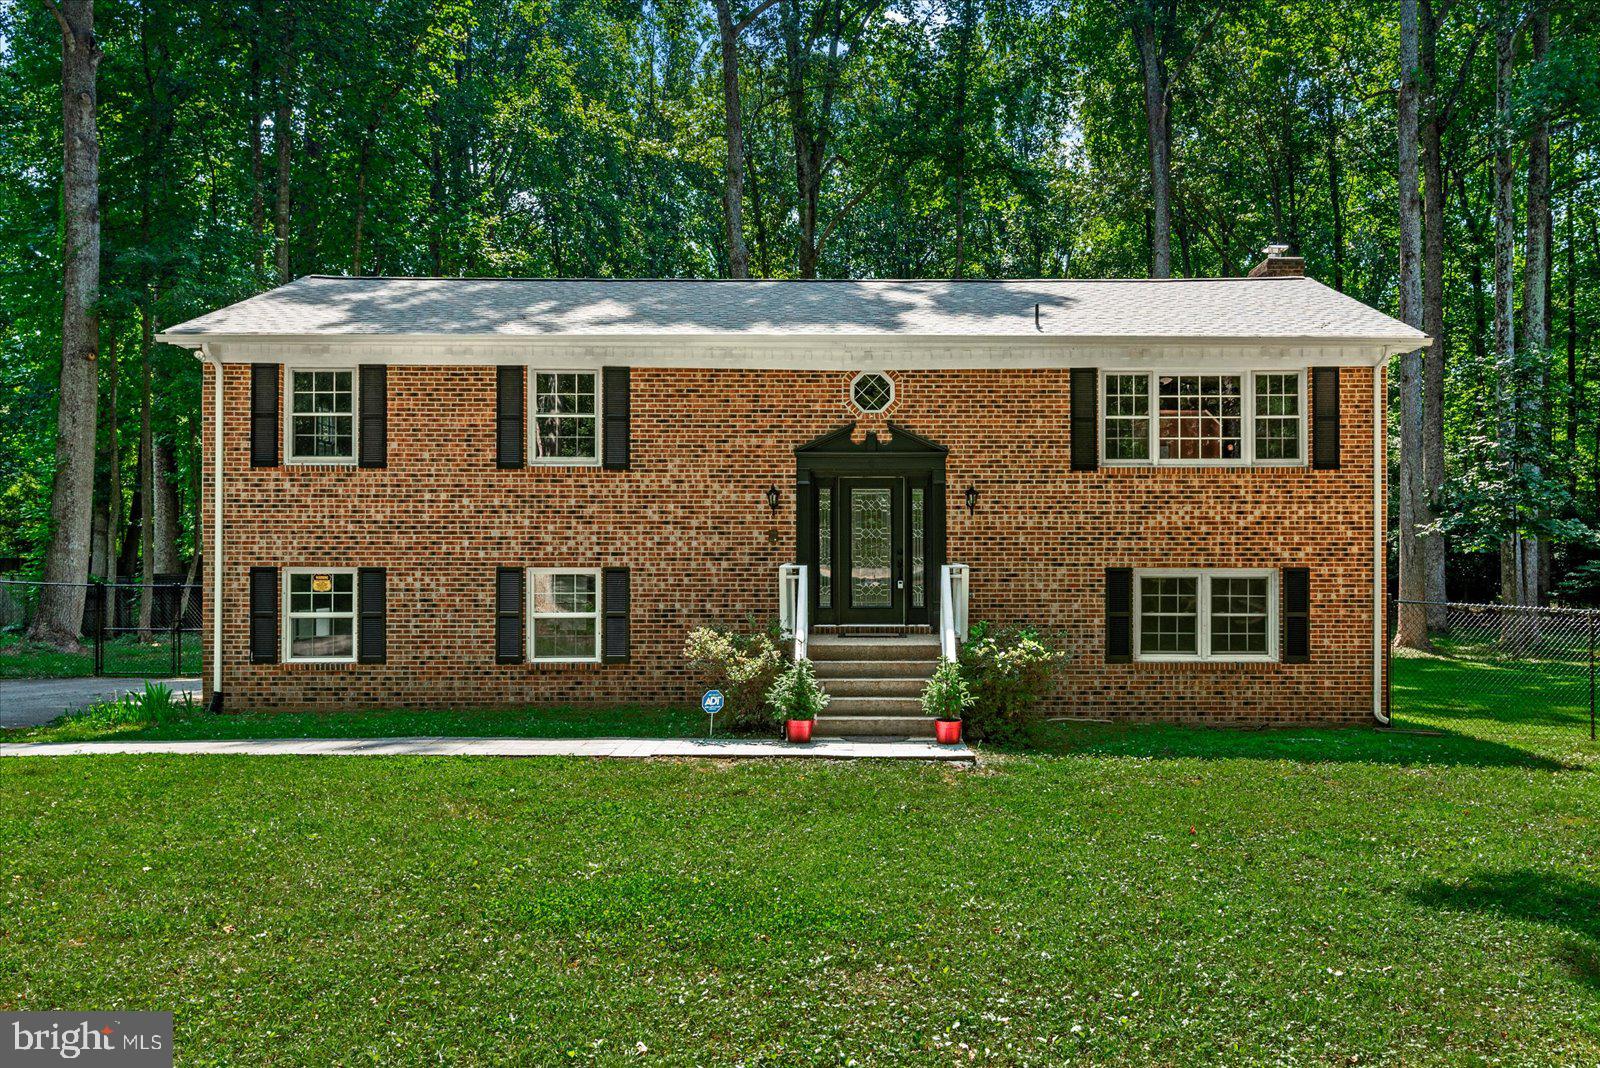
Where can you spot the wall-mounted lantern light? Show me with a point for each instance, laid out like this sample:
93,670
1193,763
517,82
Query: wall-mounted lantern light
972,499
774,498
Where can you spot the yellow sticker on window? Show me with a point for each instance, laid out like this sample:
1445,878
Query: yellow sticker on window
321,583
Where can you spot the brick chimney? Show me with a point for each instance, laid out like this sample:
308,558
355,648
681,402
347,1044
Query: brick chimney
1279,263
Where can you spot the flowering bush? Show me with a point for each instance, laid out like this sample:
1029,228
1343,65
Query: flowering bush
796,695
743,666
1007,670
946,695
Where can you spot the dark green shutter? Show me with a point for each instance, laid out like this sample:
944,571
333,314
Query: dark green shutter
374,403
1119,615
510,424
264,392
263,615
1325,418
509,605
372,616
616,448
617,600
1296,615
1085,419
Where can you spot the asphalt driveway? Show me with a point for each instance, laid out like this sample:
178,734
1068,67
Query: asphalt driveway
30,702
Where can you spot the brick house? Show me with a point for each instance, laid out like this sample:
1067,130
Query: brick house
475,492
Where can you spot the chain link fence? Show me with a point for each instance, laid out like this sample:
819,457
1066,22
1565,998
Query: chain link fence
1499,672
129,630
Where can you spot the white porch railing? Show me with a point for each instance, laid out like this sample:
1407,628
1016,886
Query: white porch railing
794,613
953,582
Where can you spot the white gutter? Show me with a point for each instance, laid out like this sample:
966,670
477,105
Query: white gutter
1380,465
216,526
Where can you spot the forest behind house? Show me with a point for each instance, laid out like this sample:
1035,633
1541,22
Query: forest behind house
1434,158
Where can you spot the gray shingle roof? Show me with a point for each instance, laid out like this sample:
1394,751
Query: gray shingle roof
1199,309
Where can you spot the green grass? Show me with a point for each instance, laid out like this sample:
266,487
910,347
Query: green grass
1541,705
1159,896
22,658
89,725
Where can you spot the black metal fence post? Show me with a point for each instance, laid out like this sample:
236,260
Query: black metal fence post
1393,606
177,634
1591,676
98,591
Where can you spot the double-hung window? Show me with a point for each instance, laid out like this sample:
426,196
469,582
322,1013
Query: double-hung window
1155,417
1205,615
565,615
322,417
320,624
565,423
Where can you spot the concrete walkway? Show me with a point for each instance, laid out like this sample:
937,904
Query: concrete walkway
31,702
635,748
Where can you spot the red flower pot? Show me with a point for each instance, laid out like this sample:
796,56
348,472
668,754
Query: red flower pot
799,730
947,731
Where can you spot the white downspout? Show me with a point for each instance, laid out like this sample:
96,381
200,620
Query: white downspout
216,527
1380,464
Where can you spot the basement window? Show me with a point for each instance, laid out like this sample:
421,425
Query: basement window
1205,615
322,417
565,611
320,622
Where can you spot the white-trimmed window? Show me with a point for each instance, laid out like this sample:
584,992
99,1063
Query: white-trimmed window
322,417
565,428
1205,615
564,613
320,623
1279,415
1196,419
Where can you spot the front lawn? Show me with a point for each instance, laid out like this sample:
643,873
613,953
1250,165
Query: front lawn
90,725
1147,895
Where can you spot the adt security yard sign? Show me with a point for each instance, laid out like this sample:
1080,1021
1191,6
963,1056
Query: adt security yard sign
711,704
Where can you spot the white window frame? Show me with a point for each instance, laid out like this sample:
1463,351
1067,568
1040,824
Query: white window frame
1204,575
288,615
534,616
1247,431
287,400
887,377
534,459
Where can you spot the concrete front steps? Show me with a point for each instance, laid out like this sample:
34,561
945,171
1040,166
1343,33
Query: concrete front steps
875,684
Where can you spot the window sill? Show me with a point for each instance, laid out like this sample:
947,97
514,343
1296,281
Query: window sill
1190,663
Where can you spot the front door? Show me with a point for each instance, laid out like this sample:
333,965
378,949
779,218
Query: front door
871,550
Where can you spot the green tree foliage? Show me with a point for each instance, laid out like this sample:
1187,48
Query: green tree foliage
980,138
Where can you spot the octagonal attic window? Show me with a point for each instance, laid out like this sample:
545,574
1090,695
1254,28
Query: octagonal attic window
871,391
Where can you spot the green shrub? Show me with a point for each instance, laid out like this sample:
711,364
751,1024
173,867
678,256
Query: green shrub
154,706
743,666
947,695
1007,671
796,695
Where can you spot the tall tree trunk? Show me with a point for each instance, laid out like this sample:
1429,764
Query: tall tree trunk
1330,142
109,523
283,138
147,480
733,137
1158,134
1535,300
258,203
60,615
1413,507
362,156
1508,381
1432,546
960,132
1571,279
168,555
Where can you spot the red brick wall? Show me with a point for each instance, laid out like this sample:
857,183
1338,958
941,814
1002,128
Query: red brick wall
692,522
